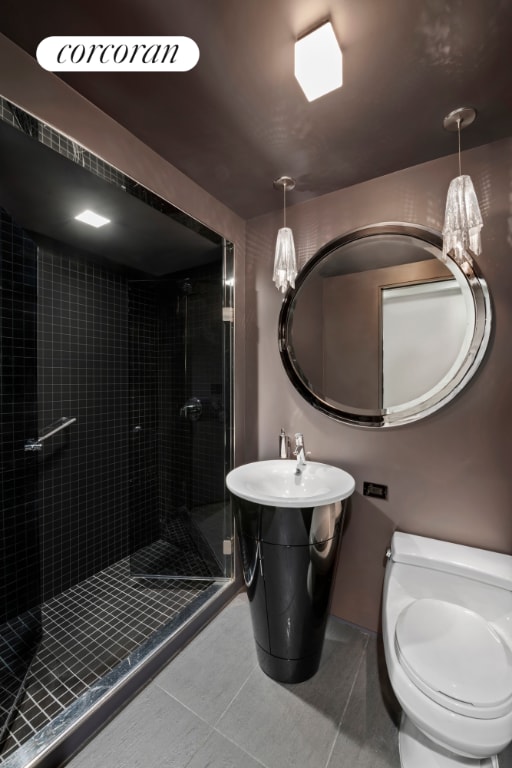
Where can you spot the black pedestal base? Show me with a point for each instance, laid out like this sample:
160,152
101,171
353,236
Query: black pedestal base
288,558
287,670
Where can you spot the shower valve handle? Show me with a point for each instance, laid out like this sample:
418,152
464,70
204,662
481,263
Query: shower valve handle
192,409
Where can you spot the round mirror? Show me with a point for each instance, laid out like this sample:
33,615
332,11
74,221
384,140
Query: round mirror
379,330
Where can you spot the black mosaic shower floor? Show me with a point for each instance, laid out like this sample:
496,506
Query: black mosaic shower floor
87,631
186,545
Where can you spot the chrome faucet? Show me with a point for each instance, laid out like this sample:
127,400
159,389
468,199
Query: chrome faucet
300,453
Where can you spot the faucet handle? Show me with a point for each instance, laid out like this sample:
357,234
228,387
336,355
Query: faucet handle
284,445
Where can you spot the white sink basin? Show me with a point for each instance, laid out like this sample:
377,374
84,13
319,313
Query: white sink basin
275,483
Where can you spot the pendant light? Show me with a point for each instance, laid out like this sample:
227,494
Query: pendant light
285,262
463,220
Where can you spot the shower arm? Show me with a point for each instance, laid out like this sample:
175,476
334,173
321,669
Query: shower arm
52,429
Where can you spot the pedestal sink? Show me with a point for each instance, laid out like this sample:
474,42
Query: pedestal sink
289,528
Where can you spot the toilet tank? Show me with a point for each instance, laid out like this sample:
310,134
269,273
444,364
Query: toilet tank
481,565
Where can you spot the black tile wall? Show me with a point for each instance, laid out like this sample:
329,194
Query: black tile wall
206,383
178,347
19,554
192,352
20,620
111,353
175,435
83,360
144,413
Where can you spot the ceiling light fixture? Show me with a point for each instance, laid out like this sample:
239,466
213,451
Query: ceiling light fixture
463,220
93,219
285,263
319,62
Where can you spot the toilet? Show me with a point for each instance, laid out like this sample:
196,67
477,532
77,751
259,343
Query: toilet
447,632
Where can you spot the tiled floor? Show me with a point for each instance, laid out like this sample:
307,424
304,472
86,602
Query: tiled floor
213,706
87,631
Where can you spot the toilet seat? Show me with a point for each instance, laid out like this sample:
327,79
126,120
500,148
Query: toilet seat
455,657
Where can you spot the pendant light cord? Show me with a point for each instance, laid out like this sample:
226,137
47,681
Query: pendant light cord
458,131
284,205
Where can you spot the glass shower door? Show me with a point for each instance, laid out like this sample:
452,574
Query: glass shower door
20,615
181,329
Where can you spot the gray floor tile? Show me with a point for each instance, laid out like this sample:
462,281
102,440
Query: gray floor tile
219,752
296,725
368,736
505,758
344,716
153,731
211,670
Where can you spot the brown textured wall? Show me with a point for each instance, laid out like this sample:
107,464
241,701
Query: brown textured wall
449,475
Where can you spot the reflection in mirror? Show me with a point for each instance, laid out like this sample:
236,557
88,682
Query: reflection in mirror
379,330
423,330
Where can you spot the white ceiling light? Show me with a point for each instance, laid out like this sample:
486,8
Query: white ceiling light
319,62
93,219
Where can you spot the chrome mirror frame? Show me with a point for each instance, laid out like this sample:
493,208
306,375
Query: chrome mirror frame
468,275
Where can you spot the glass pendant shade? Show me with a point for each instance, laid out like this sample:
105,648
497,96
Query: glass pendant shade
463,221
285,262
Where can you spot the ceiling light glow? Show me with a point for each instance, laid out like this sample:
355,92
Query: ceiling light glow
93,219
319,62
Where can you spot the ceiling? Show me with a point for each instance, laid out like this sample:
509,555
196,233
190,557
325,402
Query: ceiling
139,237
239,119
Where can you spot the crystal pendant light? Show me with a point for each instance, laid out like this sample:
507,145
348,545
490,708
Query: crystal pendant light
463,220
285,262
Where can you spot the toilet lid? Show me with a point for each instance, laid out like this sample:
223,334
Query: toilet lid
455,657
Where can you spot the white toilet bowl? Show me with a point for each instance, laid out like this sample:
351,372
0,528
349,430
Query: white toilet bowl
447,630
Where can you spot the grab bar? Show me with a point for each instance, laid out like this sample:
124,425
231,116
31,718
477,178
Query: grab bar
49,431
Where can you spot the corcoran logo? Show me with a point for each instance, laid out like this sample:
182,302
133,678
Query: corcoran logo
117,54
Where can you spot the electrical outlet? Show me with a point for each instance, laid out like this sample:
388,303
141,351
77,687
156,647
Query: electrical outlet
377,490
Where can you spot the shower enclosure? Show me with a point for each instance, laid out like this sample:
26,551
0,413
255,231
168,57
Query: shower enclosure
117,428
180,349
